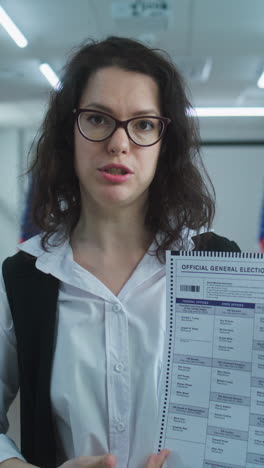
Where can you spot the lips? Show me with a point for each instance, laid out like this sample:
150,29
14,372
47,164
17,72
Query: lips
115,173
116,169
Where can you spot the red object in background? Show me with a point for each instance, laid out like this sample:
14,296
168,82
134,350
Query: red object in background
261,231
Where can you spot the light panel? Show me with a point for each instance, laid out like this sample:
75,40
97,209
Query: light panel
261,81
12,29
50,75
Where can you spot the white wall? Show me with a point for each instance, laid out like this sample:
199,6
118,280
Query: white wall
237,173
14,146
238,177
9,190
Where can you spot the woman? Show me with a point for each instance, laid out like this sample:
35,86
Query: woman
115,184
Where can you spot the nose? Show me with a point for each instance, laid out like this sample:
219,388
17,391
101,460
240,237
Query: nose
119,142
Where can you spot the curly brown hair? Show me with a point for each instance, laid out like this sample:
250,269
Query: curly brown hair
178,195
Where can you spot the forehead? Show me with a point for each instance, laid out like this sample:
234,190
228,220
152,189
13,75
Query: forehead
115,87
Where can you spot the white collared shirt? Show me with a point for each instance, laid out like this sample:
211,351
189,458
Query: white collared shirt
107,361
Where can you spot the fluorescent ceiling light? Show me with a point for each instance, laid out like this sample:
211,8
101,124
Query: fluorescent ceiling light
228,112
50,75
261,81
12,29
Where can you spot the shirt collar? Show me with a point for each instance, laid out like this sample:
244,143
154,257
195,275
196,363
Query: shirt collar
58,260
57,250
45,259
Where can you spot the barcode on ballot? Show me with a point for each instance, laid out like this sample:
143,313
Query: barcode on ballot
189,288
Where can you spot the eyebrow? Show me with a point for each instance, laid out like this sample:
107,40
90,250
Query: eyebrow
94,105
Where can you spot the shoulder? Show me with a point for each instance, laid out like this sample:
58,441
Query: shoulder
213,242
32,256
21,262
24,260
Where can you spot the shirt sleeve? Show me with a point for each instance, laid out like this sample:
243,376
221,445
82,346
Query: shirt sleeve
9,380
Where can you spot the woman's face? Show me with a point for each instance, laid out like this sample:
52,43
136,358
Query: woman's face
124,95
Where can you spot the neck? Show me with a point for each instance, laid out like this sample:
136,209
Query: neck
112,231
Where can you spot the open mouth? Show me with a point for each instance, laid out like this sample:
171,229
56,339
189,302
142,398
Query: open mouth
115,170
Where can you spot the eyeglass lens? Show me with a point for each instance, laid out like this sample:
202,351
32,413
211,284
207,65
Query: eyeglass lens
98,126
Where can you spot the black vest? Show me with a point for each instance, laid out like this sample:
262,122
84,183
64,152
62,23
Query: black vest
33,296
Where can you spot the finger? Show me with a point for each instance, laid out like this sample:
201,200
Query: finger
151,461
110,461
163,455
156,461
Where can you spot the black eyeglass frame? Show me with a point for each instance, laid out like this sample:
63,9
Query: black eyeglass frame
121,124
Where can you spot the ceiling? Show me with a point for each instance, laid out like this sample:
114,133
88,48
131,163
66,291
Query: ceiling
217,44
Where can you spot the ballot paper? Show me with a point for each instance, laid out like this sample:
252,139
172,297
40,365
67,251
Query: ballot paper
212,390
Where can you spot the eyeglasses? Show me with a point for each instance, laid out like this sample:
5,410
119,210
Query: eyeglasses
146,130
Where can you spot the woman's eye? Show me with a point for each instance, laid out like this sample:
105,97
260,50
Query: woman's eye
96,119
145,125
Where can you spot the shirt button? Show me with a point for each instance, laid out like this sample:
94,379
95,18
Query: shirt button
119,367
116,307
120,427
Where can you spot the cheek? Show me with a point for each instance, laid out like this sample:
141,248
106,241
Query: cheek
82,153
77,148
150,162
81,145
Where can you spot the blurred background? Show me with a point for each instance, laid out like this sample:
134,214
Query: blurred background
217,44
